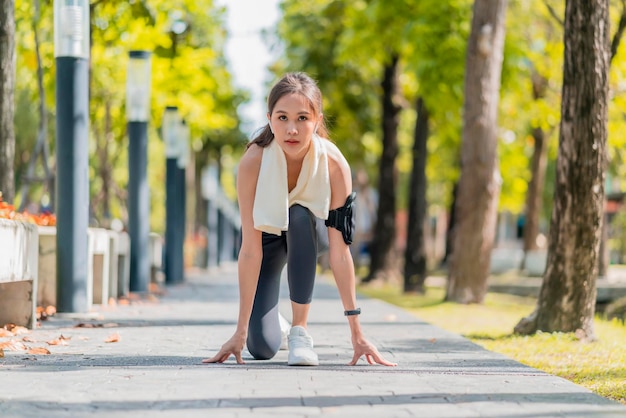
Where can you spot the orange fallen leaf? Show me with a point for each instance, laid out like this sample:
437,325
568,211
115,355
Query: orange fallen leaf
112,302
58,341
113,338
39,350
5,333
433,340
13,345
156,289
51,310
18,330
1,353
28,339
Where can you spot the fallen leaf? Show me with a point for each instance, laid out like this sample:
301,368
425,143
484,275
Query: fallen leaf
110,325
5,333
112,302
51,310
156,289
13,345
20,330
113,338
28,339
1,353
63,337
39,350
58,341
433,340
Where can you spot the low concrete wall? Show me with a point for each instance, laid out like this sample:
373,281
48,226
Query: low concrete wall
100,258
156,256
108,269
19,243
123,264
47,276
510,259
536,262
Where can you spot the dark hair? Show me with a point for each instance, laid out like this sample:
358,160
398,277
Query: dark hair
291,83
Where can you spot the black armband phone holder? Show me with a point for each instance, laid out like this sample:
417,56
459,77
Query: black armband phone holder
342,219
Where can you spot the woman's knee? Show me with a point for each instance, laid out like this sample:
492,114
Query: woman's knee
264,334
260,347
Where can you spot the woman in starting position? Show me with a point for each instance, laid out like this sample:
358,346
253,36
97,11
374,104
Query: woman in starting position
295,197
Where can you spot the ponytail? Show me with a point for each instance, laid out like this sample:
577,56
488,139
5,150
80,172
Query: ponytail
263,137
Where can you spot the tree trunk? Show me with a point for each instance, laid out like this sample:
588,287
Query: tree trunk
538,166
7,103
450,227
535,191
383,263
415,254
567,298
479,184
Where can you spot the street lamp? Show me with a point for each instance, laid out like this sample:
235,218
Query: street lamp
174,209
138,78
182,162
71,51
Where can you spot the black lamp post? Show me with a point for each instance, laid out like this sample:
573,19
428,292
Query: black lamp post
138,78
174,207
71,51
182,163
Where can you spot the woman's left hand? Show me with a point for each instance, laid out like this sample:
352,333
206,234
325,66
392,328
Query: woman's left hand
362,347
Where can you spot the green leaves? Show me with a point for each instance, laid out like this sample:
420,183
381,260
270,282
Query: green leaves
186,38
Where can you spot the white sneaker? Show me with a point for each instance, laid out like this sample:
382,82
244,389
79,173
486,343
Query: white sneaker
285,326
301,348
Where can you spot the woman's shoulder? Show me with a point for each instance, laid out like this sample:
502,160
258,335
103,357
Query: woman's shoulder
251,159
335,156
338,166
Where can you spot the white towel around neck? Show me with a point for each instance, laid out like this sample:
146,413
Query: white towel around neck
273,199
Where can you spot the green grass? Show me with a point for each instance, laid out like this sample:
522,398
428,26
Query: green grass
599,366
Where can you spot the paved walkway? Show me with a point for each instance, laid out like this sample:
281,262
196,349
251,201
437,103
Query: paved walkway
154,369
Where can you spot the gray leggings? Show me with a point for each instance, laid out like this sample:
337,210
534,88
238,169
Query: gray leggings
299,248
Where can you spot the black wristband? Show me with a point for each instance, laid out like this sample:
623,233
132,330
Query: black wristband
356,311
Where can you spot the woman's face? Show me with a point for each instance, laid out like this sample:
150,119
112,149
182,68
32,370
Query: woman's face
293,122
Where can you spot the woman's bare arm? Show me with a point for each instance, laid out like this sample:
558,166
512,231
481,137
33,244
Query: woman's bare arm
342,265
250,254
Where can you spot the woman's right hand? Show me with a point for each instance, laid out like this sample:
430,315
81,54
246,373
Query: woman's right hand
233,346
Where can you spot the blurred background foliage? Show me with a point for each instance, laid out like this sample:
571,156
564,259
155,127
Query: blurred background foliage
342,44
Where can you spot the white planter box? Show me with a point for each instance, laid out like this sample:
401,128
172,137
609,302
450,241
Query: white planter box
19,243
